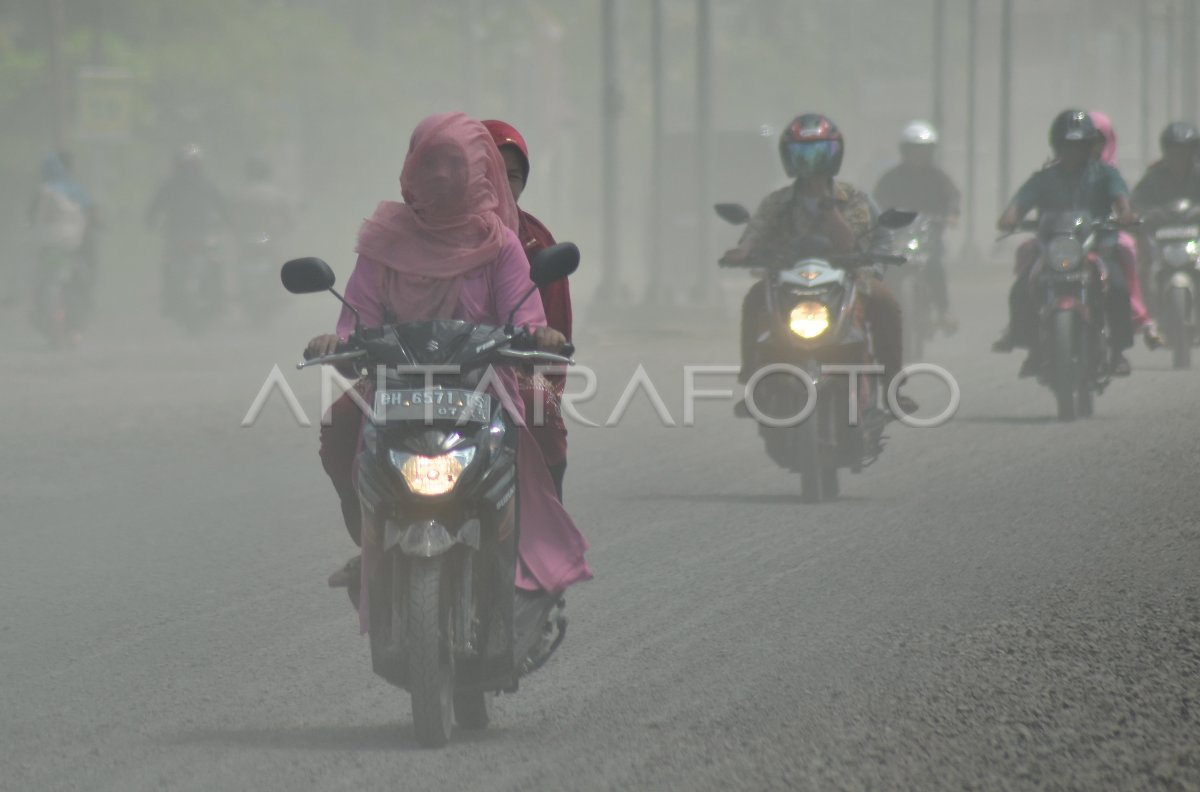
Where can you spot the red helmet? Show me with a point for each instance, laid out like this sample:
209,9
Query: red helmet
507,135
811,145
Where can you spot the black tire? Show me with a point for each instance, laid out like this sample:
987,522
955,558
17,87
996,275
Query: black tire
1066,371
830,487
913,318
472,710
430,664
808,450
1178,330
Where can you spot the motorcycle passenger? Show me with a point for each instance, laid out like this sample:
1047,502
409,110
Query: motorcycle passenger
812,148
1127,250
556,300
61,216
1177,174
190,210
919,185
451,251
1075,180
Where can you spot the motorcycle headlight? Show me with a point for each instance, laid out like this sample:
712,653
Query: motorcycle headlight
809,319
914,244
1064,254
1179,255
431,475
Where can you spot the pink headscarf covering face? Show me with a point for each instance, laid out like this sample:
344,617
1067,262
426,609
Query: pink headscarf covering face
456,208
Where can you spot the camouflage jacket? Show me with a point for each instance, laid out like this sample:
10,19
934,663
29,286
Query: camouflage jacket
781,220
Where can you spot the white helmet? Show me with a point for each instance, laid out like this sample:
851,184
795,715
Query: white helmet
919,133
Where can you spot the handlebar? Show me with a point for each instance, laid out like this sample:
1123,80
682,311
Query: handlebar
523,349
843,260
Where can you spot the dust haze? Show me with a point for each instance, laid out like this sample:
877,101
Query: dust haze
1005,601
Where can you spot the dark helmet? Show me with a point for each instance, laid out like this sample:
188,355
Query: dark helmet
1179,133
811,145
1072,126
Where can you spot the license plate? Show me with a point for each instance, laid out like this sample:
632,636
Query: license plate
443,404
1182,232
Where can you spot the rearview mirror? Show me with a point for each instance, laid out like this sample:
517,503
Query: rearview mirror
307,276
732,213
894,219
554,263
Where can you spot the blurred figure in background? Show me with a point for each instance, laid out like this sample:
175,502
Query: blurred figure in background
1177,174
556,299
192,214
61,215
265,219
917,184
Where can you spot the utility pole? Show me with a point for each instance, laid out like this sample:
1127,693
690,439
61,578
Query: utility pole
610,289
58,83
972,131
939,70
1171,57
1144,80
1004,157
654,259
1190,63
702,291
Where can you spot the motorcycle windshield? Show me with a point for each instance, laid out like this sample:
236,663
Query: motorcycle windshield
1071,223
439,342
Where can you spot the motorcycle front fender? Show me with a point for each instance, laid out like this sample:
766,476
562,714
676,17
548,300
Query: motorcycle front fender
1181,280
428,538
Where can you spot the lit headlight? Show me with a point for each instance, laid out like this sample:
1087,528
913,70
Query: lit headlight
432,475
1179,255
914,244
809,319
1192,248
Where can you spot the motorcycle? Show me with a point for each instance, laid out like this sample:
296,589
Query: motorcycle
199,298
911,285
1176,246
58,301
816,322
437,479
257,271
1071,277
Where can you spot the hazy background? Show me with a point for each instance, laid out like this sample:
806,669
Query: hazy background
328,90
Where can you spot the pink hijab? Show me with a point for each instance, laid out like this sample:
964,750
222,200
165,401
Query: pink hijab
457,207
1108,155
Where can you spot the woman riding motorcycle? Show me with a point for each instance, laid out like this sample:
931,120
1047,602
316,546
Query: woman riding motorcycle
551,435
450,251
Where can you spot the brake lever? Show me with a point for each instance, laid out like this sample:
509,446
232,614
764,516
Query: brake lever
337,357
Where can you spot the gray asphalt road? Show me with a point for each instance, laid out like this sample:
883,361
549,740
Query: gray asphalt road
1001,603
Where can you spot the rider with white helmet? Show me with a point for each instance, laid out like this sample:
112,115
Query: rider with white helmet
918,184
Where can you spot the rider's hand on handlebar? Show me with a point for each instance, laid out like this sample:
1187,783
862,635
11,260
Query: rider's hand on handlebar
548,339
734,256
1009,220
321,345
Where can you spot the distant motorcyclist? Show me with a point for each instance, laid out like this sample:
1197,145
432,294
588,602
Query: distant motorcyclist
62,217
918,184
1075,180
811,148
190,210
1177,175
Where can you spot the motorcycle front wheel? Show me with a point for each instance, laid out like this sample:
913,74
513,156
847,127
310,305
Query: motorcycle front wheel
430,663
1066,375
1178,328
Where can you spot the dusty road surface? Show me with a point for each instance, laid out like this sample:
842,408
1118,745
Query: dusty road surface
1001,603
